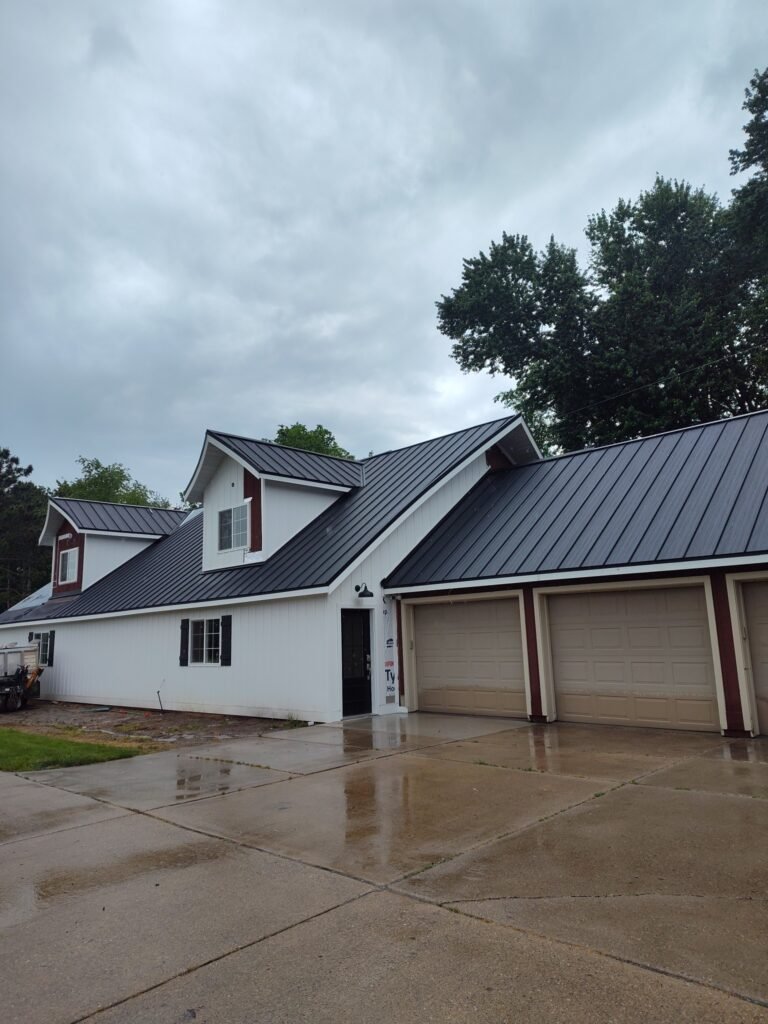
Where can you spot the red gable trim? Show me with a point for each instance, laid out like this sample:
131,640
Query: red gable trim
73,542
252,490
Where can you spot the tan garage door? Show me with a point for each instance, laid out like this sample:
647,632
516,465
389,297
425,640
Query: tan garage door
756,607
634,657
469,658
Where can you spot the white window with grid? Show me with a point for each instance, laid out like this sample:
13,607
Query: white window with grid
68,565
204,641
233,527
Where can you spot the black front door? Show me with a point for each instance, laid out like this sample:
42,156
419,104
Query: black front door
356,661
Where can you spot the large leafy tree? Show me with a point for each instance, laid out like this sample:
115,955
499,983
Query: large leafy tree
112,482
318,439
667,326
23,565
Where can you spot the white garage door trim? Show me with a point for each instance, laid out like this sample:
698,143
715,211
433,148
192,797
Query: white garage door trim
409,636
549,703
735,584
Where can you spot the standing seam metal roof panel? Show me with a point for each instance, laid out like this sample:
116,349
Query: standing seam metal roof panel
719,471
114,517
169,572
292,463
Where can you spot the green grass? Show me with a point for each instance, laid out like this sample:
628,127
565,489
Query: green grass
28,752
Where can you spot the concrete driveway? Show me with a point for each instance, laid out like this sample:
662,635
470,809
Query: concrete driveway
428,868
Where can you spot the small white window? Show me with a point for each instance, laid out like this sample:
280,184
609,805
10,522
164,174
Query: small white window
43,638
68,565
204,641
233,528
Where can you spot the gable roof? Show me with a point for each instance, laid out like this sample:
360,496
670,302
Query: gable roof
268,459
699,492
113,517
169,572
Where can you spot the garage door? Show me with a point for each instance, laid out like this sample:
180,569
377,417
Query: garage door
756,608
469,658
634,657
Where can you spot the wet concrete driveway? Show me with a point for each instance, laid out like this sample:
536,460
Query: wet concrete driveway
393,869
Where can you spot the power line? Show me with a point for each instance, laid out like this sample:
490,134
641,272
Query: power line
675,375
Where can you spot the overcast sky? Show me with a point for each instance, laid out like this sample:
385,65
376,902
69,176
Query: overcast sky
239,214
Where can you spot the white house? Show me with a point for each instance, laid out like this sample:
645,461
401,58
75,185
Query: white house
625,584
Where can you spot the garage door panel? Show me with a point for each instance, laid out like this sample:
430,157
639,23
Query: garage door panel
660,673
756,609
469,658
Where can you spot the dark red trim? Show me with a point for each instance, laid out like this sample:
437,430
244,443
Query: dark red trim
734,714
400,658
532,650
496,459
74,543
252,490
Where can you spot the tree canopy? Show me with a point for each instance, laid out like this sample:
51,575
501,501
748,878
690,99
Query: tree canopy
112,482
24,567
320,440
666,326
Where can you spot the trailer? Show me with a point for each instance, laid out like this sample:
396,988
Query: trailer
20,672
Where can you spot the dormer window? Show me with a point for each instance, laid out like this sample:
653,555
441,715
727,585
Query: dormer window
68,565
233,528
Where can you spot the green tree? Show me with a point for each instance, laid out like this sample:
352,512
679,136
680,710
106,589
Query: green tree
319,440
666,327
113,482
24,567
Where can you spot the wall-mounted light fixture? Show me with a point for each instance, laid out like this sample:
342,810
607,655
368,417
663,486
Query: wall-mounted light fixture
362,590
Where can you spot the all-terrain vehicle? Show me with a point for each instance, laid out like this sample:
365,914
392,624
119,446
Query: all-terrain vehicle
20,671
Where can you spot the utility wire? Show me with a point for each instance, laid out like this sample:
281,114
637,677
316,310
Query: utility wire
663,380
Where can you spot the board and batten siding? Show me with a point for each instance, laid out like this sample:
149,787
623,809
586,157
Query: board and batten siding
225,490
280,661
103,554
377,565
287,509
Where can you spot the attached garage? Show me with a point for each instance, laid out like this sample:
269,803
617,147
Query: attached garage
469,657
634,657
756,614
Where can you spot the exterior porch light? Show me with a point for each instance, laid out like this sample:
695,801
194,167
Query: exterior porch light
362,591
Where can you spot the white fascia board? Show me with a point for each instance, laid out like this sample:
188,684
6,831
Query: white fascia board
53,508
209,442
127,536
418,503
293,481
693,565
222,602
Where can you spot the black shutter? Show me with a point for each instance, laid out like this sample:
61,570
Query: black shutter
226,640
184,645
51,639
31,637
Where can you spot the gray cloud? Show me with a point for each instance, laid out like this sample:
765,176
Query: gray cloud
237,215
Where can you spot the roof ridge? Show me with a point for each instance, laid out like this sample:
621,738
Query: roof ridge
116,504
441,437
286,447
643,437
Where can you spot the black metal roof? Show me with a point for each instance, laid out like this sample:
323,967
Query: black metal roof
169,571
111,517
700,492
292,463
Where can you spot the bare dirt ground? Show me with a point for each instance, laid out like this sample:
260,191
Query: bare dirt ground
147,729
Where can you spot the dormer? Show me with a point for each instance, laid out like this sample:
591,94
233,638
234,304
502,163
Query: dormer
91,538
256,495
